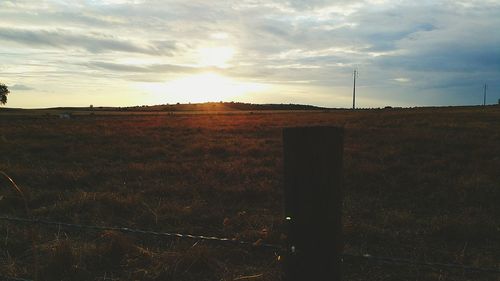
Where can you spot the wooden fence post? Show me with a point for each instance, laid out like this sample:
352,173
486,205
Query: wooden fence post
313,203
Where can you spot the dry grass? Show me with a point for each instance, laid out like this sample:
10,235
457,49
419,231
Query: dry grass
419,183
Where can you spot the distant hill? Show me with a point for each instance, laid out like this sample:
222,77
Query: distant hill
189,107
221,106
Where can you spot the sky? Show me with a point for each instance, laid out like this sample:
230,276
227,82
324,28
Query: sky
146,52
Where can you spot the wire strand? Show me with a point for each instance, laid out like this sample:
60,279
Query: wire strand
143,232
393,260
29,214
367,257
10,278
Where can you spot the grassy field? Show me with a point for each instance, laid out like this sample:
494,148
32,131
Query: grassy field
419,184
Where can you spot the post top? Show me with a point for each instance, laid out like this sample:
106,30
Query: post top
306,130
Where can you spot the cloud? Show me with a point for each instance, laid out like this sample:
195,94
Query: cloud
447,46
402,80
20,87
153,68
55,18
91,42
467,47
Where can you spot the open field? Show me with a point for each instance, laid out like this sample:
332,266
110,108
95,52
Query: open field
419,184
190,108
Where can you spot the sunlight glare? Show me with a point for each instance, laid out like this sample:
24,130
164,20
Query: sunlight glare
216,56
205,87
219,35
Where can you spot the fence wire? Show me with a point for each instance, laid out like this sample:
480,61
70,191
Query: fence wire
256,244
10,278
402,261
345,256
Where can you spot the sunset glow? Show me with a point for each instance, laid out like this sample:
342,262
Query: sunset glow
77,53
203,87
216,56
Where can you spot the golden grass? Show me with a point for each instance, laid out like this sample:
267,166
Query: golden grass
419,183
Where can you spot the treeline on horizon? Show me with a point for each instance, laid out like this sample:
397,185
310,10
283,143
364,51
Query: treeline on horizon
207,106
228,106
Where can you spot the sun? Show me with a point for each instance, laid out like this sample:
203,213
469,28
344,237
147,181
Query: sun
204,87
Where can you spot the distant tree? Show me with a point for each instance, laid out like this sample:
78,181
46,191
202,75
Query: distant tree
4,91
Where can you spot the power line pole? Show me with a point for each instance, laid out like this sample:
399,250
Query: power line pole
355,74
484,96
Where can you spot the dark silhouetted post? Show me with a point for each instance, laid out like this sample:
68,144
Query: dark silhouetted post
484,96
313,202
355,74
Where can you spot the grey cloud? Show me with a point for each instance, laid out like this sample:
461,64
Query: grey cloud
58,18
20,87
386,40
116,67
374,31
164,45
153,68
447,60
315,4
291,73
438,45
156,12
382,30
301,4
326,60
91,42
468,46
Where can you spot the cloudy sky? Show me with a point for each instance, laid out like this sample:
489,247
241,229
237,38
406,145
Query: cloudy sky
135,52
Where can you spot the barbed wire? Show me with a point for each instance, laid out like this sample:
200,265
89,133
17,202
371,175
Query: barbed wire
10,278
29,214
257,244
392,260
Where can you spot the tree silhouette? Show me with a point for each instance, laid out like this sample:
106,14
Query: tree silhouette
4,91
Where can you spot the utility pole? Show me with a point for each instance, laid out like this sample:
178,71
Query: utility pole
484,96
355,74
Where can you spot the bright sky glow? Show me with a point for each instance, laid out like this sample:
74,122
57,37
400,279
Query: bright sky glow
202,87
135,52
217,56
